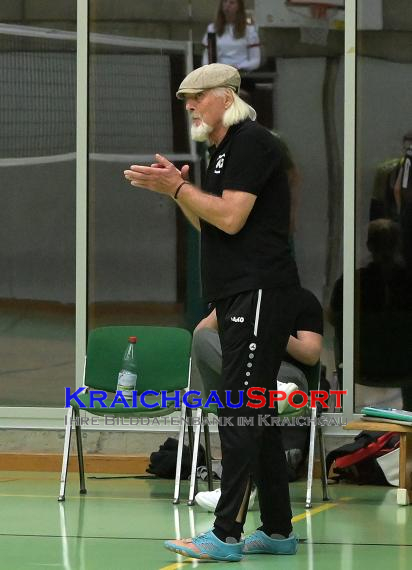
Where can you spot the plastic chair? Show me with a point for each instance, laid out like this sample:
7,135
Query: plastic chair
313,379
163,358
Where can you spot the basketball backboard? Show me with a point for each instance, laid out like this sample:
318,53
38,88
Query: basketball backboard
300,14
297,13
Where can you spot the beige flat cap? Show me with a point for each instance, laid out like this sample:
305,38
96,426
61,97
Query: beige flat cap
208,77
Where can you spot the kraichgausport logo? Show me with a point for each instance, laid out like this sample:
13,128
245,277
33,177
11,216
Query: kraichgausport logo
253,397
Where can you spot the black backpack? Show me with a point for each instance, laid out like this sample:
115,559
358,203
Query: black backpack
163,462
295,443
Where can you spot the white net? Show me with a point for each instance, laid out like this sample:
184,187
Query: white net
131,107
131,94
133,113
37,103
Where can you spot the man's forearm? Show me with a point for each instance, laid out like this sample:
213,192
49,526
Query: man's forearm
228,213
209,208
193,218
209,322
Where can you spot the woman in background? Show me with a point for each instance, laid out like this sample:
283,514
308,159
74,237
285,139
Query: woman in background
237,42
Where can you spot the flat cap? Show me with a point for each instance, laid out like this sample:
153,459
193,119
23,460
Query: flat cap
209,77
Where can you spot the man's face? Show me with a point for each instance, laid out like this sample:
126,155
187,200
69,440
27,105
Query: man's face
206,110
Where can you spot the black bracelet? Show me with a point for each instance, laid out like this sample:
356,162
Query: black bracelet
178,188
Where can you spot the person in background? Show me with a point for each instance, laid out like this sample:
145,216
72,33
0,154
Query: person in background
237,42
386,194
294,179
384,309
403,198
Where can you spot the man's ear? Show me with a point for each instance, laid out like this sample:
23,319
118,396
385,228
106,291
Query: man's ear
228,98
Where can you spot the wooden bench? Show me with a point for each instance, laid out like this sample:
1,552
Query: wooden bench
404,495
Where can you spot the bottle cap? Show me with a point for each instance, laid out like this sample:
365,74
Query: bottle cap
132,339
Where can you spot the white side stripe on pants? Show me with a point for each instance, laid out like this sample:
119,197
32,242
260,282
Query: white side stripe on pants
257,312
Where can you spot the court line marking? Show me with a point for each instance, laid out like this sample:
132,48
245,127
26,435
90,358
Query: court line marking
134,538
312,512
81,536
85,497
166,500
297,518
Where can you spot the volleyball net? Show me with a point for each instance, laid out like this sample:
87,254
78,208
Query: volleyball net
131,97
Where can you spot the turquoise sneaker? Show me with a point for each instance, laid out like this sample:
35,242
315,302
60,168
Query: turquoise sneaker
207,546
261,543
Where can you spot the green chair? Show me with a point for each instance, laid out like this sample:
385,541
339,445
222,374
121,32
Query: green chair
163,358
313,379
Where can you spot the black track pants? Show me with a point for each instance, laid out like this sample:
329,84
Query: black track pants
254,328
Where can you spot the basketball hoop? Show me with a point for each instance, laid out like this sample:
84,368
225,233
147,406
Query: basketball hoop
320,11
318,33
318,14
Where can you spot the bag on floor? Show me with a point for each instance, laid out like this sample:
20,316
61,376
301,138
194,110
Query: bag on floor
296,445
389,463
163,462
358,461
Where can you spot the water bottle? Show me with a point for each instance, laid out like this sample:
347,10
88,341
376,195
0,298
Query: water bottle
126,381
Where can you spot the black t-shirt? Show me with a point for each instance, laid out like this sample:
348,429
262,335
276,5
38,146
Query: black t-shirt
309,317
249,159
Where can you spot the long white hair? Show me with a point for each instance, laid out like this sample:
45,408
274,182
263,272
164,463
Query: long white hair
238,110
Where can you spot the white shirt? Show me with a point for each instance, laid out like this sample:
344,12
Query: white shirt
242,53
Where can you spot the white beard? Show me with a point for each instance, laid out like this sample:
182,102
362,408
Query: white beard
200,133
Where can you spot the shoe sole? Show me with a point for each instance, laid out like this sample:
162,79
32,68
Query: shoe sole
269,552
200,556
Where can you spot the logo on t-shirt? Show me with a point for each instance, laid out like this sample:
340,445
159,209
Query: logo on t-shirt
237,319
219,163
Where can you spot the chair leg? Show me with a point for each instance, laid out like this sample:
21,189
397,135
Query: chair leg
83,489
190,434
208,453
198,429
308,502
323,464
176,494
190,430
66,453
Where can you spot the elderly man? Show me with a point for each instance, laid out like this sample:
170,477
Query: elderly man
250,276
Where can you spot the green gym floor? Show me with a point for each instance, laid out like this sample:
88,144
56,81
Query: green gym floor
122,523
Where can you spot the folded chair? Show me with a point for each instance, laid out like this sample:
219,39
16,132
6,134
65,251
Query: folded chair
201,414
163,360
